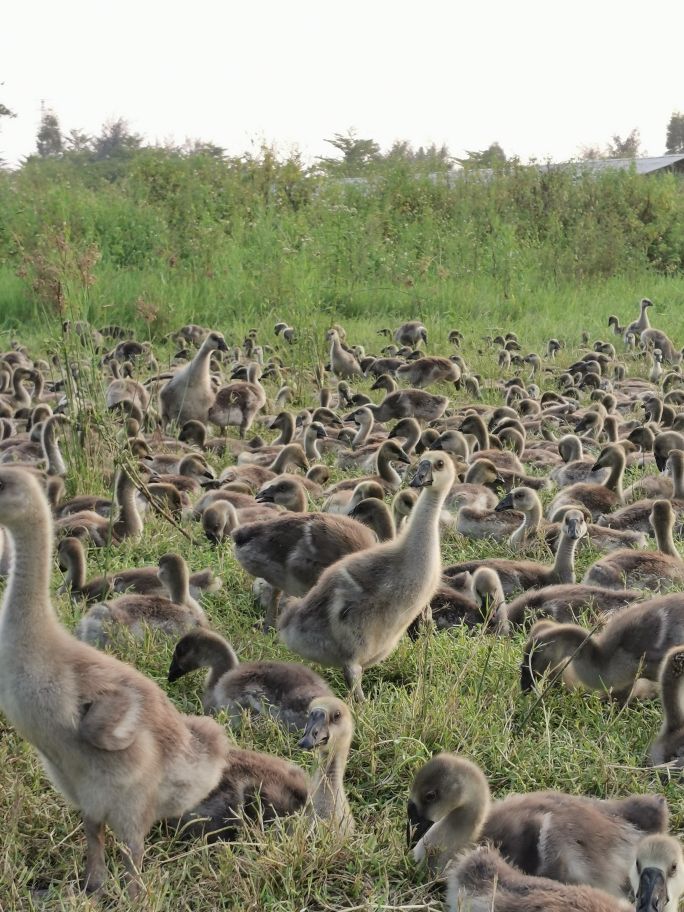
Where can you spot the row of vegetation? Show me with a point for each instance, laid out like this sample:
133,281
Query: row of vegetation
159,236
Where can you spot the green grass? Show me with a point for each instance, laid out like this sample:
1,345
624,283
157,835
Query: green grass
234,246
453,691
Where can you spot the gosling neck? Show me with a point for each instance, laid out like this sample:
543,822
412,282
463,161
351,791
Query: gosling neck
665,540
310,445
21,394
460,827
529,526
678,481
289,455
387,471
287,429
363,433
129,524
617,471
220,657
26,606
51,450
480,432
327,786
199,366
564,564
76,567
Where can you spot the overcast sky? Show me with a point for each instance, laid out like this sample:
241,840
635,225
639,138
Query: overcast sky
542,78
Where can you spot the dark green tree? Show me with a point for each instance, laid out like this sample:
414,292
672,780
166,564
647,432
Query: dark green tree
624,148
675,134
49,142
116,140
77,141
356,154
492,157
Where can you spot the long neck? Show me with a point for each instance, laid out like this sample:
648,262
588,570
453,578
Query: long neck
287,430
51,450
27,610
420,537
460,827
564,564
21,394
363,433
614,480
282,460
678,481
178,585
481,433
528,527
665,540
76,568
328,797
412,436
220,658
129,521
386,470
310,446
199,366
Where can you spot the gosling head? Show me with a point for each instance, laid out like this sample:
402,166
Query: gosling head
329,723
522,499
172,568
21,497
395,452
574,525
445,783
286,492
662,515
198,649
215,342
542,653
657,875
434,469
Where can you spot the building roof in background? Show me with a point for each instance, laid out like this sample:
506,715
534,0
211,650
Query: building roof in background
641,165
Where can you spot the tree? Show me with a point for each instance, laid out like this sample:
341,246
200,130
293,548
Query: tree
78,141
356,153
49,139
116,140
591,153
492,157
624,148
675,134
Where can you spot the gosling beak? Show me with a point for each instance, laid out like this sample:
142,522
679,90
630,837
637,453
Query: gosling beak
264,497
505,504
321,432
175,670
660,462
596,467
652,893
416,825
222,346
423,475
437,445
403,456
573,528
526,679
316,731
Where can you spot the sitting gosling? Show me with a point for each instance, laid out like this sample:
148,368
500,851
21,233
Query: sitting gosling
283,690
355,615
109,738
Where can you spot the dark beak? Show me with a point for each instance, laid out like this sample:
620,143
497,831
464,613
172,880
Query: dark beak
175,670
505,504
500,481
596,467
437,445
526,679
404,457
416,825
652,893
660,461
321,432
263,497
222,346
574,528
316,731
423,475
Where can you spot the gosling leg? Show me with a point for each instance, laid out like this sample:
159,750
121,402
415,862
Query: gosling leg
352,677
132,858
272,611
96,868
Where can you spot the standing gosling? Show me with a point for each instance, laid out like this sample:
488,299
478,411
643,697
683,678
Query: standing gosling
355,615
110,740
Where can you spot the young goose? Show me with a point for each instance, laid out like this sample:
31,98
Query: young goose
172,615
597,498
660,569
386,476
292,454
110,740
567,838
482,881
221,518
523,502
124,388
345,500
343,363
410,333
189,394
669,485
502,459
479,488
428,370
291,552
602,538
485,602
576,468
407,403
409,430
657,874
282,690
284,491
192,472
377,516
355,615
329,729
632,644
101,530
524,574
497,524
566,603
238,403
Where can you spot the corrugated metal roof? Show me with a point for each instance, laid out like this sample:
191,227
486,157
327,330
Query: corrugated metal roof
640,165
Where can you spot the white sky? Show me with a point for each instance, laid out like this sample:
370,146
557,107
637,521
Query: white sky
542,78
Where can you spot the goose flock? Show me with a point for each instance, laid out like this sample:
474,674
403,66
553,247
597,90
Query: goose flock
335,486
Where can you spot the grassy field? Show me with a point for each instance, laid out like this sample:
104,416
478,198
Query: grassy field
455,691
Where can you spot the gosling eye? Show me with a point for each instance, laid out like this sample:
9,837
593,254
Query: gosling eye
673,869
439,464
337,715
431,795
